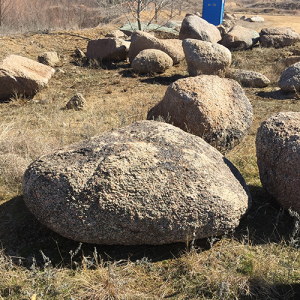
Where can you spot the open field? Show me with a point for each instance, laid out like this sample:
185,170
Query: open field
260,260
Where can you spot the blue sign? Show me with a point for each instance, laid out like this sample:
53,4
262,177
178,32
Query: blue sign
213,11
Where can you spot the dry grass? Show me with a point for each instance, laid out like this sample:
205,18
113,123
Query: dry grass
259,261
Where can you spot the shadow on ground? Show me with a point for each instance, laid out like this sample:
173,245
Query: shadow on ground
266,221
277,95
22,235
263,291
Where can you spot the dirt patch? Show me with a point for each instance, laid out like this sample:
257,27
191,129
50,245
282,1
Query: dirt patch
272,21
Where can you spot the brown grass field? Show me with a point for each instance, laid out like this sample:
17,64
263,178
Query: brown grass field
260,260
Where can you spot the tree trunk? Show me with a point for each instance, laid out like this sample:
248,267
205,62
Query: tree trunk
138,12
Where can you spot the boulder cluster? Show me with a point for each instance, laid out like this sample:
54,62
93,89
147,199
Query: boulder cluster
153,182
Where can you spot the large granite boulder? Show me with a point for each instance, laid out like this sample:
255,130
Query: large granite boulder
278,157
208,106
112,49
205,57
151,61
278,37
21,75
142,40
240,38
248,78
290,78
194,27
147,183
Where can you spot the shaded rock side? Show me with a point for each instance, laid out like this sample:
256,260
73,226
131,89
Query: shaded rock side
21,75
142,40
114,49
278,37
240,38
147,183
248,78
151,61
194,27
290,78
205,57
208,106
278,157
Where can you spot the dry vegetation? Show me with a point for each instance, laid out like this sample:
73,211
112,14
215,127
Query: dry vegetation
259,261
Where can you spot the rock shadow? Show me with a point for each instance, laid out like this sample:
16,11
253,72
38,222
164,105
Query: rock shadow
266,221
23,236
277,95
163,80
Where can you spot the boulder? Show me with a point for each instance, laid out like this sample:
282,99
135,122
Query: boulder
290,78
255,19
278,157
194,27
151,61
205,57
49,58
248,78
116,34
77,102
278,37
21,75
208,106
142,40
147,183
240,38
112,49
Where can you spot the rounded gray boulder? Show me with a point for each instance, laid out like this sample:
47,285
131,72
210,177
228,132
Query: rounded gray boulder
290,78
213,108
205,57
278,157
147,183
151,61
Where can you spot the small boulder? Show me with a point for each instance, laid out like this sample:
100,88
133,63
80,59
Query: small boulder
77,102
151,61
278,158
248,78
208,106
49,58
22,75
278,37
194,27
290,78
116,34
113,49
240,38
255,19
142,40
205,57
146,183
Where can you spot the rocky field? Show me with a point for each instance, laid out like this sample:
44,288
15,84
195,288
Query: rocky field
259,259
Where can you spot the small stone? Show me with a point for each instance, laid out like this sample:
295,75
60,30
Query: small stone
77,102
